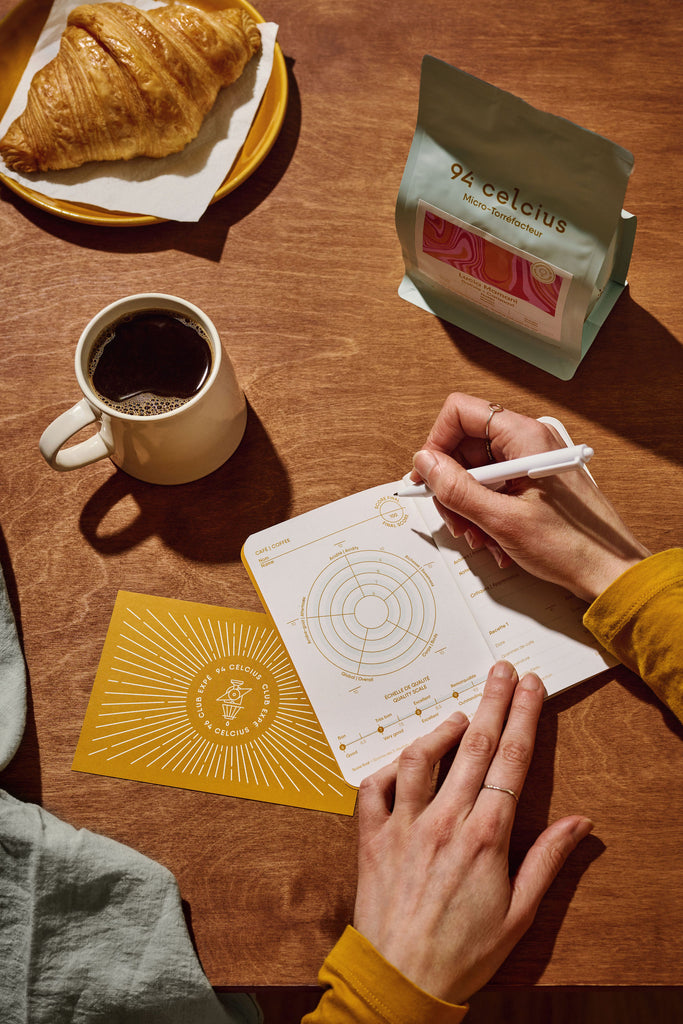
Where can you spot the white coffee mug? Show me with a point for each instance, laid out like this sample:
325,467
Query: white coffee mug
172,447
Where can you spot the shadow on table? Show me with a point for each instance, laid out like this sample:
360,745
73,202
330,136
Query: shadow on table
625,382
205,238
528,960
206,521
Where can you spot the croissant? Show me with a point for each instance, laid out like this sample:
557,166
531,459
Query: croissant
128,83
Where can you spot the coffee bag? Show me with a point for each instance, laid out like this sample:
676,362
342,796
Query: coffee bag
511,220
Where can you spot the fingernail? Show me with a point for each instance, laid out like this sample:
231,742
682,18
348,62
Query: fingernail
504,670
458,718
474,540
582,829
531,682
498,555
426,464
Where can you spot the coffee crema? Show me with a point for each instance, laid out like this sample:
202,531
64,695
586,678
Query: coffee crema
150,362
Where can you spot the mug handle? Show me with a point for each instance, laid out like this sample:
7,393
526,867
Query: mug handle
65,426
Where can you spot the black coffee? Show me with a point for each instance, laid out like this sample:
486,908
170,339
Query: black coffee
150,362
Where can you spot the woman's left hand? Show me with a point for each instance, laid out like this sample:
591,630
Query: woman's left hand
434,892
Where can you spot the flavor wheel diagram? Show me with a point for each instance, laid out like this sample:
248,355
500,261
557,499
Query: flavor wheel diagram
371,612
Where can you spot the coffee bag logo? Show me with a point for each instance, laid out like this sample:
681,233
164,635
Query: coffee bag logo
543,273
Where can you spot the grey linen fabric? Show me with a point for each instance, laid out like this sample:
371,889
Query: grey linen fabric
90,930
12,682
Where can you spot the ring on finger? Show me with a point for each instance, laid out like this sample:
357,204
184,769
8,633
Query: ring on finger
501,789
494,407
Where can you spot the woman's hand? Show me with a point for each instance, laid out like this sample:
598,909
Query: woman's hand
560,528
434,892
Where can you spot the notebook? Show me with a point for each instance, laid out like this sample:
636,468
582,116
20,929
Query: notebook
392,625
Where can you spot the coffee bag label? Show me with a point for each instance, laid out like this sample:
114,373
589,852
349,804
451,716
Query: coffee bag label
506,281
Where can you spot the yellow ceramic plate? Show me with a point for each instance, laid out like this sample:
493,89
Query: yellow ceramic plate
19,33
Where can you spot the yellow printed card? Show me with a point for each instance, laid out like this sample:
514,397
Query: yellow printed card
206,698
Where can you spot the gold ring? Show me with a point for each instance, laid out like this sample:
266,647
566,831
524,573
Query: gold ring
502,789
493,409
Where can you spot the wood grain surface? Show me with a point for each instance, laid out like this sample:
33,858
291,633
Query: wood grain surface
299,270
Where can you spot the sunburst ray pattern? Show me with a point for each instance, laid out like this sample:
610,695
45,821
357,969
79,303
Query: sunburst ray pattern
206,698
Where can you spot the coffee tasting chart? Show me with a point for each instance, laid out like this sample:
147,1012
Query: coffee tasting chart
365,605
206,698
392,624
370,612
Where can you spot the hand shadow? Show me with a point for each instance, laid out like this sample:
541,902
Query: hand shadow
205,521
530,957
528,960
632,348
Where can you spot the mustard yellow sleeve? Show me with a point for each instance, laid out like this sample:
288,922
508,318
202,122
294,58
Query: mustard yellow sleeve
639,618
361,987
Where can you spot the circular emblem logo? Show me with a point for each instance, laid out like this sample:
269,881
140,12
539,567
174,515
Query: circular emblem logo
543,273
232,700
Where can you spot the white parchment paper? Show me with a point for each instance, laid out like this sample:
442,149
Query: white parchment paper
177,187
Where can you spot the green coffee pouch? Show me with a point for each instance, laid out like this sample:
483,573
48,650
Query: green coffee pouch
511,220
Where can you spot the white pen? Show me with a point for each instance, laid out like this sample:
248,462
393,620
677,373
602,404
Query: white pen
494,474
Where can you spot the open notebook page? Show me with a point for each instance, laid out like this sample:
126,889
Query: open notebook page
535,625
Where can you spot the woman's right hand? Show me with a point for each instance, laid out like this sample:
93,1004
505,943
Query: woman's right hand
560,528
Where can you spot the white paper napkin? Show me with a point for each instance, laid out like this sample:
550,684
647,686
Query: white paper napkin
177,187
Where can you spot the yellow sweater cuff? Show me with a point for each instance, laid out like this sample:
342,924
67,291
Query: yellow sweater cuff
639,618
364,988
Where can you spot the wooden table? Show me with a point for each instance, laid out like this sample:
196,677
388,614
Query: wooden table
299,270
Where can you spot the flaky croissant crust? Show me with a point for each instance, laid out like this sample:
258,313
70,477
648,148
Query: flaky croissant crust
128,83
